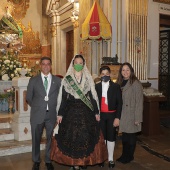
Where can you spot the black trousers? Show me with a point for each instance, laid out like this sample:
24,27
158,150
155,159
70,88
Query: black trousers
106,122
129,145
129,138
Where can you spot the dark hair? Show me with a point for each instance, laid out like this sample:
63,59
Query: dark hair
79,56
105,68
132,77
45,58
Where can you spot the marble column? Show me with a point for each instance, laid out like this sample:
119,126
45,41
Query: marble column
76,37
54,46
21,118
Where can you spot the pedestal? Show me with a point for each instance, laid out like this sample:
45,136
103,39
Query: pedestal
21,119
151,118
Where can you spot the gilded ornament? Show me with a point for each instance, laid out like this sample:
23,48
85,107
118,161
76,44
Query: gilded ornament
31,40
76,24
20,8
53,30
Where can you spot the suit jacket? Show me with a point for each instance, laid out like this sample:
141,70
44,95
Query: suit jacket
132,110
113,96
35,98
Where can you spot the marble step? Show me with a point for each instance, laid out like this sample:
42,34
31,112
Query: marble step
6,134
5,117
13,147
5,125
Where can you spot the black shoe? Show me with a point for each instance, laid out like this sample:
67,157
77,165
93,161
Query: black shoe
84,167
101,165
111,164
49,166
127,160
121,159
36,166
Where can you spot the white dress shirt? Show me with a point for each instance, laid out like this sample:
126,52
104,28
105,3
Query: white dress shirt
49,77
105,86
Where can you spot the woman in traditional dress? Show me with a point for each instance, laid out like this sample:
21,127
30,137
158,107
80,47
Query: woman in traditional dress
79,141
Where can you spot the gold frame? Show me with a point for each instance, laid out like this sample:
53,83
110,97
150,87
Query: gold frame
162,1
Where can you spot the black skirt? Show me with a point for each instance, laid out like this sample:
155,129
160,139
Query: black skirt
79,131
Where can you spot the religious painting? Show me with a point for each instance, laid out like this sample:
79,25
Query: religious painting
162,1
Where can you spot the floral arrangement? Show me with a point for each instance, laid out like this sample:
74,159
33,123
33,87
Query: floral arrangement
10,65
8,94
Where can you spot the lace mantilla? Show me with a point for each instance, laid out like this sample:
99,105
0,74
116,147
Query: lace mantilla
86,84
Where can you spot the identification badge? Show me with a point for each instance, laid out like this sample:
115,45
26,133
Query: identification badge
46,98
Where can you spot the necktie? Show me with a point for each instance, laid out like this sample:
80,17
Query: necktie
45,83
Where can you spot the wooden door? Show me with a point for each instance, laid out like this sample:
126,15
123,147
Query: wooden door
69,47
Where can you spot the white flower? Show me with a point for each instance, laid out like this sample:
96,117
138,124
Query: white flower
11,66
14,66
18,69
37,62
12,75
7,61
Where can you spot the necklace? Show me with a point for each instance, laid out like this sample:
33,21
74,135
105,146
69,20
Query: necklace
78,78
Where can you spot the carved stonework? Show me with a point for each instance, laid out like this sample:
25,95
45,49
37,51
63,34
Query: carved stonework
20,8
25,130
31,40
17,104
53,30
52,5
24,100
76,23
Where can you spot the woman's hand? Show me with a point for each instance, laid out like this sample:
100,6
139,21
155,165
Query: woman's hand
59,119
97,118
116,122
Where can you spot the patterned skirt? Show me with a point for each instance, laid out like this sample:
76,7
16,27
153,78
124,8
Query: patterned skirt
79,140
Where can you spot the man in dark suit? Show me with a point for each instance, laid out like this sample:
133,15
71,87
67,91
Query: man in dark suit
42,92
110,101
